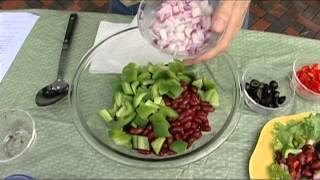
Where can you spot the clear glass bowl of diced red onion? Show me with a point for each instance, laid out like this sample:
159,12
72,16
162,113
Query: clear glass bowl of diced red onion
181,28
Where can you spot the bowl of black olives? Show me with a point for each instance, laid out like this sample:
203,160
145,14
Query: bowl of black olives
266,89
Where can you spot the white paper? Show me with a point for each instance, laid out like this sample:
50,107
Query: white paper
14,28
114,54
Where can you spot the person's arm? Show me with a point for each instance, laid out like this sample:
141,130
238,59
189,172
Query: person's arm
229,17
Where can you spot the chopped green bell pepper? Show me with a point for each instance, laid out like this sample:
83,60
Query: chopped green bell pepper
198,83
160,125
138,98
134,86
145,111
179,146
208,84
168,112
157,144
144,76
130,72
120,137
121,122
125,110
176,66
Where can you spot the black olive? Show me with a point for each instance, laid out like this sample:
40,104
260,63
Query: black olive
317,146
281,99
247,86
273,84
259,93
254,83
276,94
267,91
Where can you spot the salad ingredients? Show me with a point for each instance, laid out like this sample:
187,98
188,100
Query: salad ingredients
292,151
154,107
266,94
182,27
309,75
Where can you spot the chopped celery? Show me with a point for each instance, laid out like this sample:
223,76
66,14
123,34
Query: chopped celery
138,98
121,122
157,144
198,83
126,88
105,115
179,146
140,142
144,110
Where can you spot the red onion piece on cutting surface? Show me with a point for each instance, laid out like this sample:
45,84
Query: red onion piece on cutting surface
182,27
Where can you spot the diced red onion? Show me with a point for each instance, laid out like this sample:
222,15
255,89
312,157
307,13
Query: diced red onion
182,26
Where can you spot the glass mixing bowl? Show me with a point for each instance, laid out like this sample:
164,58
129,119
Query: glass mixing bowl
92,92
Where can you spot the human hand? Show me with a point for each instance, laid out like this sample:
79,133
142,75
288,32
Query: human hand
229,18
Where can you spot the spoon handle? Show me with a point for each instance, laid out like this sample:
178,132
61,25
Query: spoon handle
66,44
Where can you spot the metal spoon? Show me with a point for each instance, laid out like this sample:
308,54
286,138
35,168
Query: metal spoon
59,88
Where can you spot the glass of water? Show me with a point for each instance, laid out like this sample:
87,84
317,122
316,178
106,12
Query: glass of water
17,134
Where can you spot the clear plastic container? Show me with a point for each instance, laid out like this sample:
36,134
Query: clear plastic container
267,73
92,92
17,134
146,18
298,86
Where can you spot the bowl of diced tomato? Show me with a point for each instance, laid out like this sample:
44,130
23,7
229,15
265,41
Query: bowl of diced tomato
306,79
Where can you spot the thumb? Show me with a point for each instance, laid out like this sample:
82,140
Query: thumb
222,16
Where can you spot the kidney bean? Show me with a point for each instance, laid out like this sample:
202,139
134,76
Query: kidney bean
170,152
165,146
315,165
191,141
307,147
187,125
194,89
179,110
136,131
179,100
147,130
177,137
207,109
185,101
176,123
318,155
186,119
182,106
201,113
197,135
151,136
194,126
306,173
177,129
169,140
206,128
302,159
309,155
197,120
145,152
205,103
184,94
193,102
174,105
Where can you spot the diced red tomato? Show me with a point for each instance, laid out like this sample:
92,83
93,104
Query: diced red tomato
310,77
316,66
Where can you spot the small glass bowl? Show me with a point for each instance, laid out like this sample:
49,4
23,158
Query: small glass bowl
267,73
17,134
298,86
146,16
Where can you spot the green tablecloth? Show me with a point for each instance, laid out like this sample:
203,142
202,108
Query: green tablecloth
60,152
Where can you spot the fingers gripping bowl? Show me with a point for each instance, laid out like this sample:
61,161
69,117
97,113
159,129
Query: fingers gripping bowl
93,92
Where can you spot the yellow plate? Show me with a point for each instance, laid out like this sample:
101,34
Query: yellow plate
262,156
